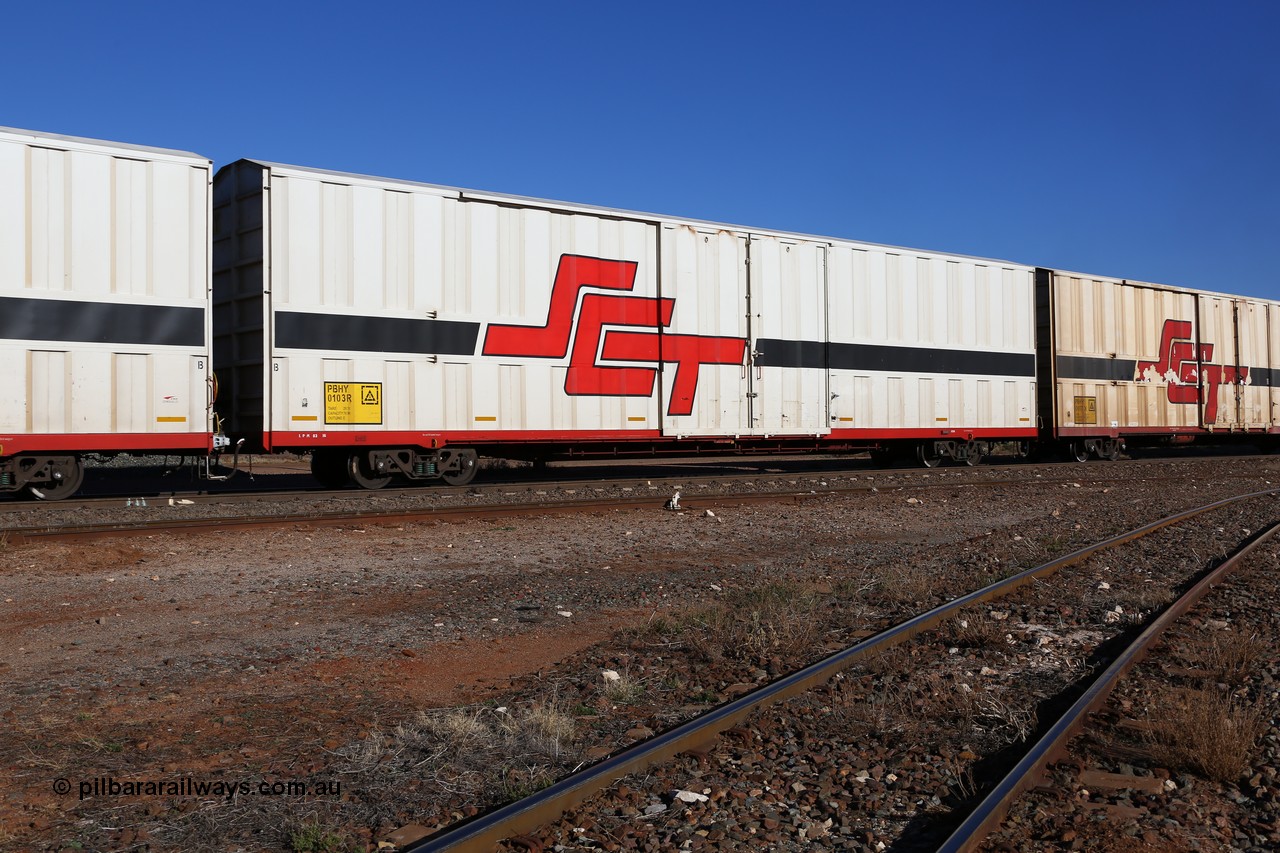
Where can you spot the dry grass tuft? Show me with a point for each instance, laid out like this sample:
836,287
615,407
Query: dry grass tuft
623,690
1233,656
1139,598
908,585
928,706
975,630
488,753
313,837
662,629
1005,721
1204,730
775,619
890,661
867,713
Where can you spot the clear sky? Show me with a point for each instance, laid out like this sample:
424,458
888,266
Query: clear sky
1134,139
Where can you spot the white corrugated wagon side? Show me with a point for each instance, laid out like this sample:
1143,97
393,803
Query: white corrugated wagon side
931,352
399,328
104,297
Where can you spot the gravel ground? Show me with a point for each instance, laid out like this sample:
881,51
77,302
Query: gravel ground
880,757
1187,754
378,658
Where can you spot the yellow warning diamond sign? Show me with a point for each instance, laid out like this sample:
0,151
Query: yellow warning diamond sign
353,402
1086,410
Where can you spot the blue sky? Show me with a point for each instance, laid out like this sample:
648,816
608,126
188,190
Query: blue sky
1135,139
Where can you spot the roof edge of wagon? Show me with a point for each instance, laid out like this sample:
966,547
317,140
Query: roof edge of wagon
25,135
1156,285
616,212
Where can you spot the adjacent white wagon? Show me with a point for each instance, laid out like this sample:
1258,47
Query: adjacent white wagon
1134,361
104,321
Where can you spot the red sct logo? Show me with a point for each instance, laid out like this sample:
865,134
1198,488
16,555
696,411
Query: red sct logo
576,321
1179,363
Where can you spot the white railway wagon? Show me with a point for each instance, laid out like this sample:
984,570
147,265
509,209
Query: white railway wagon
399,328
104,294
1139,361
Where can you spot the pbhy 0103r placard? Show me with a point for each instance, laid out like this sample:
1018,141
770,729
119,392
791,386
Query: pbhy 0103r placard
1086,410
353,402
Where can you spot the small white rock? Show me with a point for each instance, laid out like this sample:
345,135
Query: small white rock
565,613
611,675
691,797
1104,585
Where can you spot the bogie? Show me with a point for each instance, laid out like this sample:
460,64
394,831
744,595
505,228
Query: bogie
63,477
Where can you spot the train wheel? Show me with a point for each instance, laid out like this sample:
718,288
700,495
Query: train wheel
1079,451
329,467
468,464
974,455
68,475
363,475
928,455
1111,451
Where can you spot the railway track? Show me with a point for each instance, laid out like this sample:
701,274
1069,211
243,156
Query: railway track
155,489
517,819
512,498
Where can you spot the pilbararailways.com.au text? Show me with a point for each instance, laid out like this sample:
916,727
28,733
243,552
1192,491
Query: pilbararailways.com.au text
227,788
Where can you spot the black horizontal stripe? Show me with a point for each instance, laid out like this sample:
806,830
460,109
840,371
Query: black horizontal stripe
1099,369
296,330
837,356
1267,378
100,322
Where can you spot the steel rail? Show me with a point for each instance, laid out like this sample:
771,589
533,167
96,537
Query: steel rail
269,494
487,829
55,532
987,817
28,535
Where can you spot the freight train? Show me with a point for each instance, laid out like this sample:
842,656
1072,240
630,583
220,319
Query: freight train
401,330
